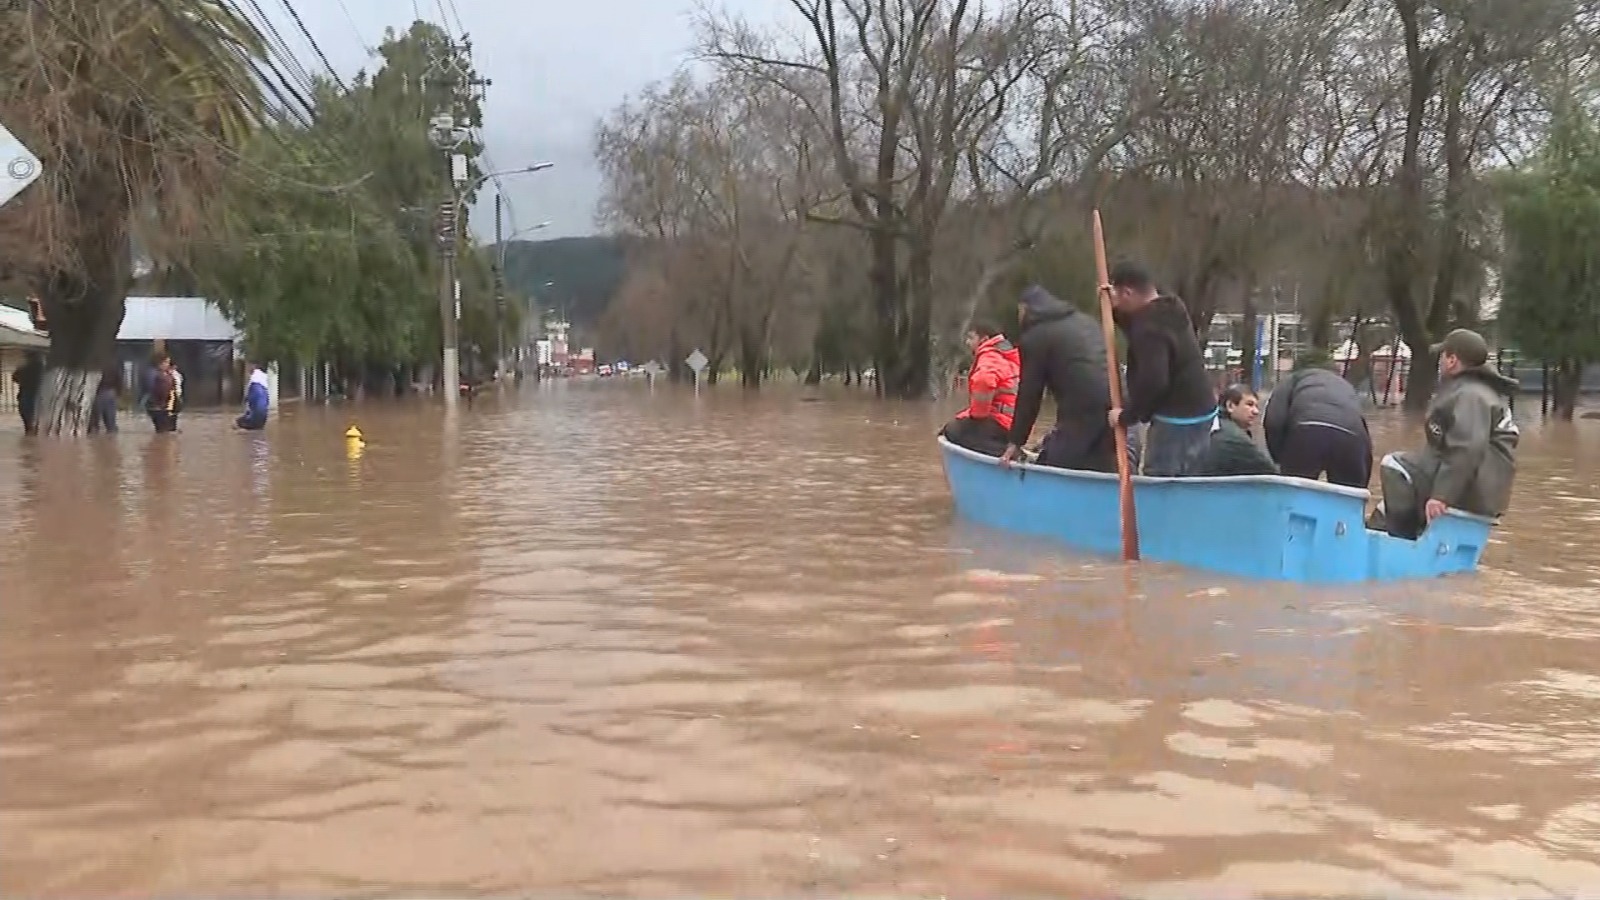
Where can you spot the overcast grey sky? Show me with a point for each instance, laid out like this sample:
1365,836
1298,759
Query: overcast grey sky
556,68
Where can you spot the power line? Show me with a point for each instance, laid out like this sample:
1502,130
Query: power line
361,38
295,14
193,129
269,33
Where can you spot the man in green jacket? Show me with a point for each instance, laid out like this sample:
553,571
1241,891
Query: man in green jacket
1469,461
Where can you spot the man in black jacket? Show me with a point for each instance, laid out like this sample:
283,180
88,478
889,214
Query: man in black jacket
1167,381
1063,350
29,379
1314,425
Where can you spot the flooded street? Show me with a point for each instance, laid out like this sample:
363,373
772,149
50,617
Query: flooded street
600,641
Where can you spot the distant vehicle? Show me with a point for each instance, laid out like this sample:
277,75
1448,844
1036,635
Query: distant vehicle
604,372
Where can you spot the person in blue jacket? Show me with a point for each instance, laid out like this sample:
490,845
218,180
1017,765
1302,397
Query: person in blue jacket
257,400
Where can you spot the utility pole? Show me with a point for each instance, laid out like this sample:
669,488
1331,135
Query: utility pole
451,67
448,300
499,296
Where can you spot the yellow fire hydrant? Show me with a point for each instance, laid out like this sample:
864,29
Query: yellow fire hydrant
353,442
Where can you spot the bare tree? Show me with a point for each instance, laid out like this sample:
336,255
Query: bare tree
906,85
1472,75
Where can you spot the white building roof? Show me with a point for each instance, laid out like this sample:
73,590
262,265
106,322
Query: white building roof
16,329
175,319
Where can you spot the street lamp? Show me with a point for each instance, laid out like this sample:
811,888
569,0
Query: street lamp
478,182
448,137
500,266
500,269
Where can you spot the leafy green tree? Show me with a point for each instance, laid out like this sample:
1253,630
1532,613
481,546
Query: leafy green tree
138,109
1551,303
313,274
350,275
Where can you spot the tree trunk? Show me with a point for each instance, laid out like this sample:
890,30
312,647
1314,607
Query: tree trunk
84,312
1564,394
916,346
1321,332
1422,376
66,397
751,369
1403,256
886,306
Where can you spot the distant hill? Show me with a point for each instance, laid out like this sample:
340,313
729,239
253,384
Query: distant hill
585,272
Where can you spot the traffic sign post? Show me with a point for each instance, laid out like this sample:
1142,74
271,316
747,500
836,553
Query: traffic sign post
652,369
18,166
697,362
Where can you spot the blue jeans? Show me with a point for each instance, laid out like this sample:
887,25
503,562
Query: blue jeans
103,413
1173,448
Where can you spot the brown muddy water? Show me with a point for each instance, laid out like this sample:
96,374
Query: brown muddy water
598,641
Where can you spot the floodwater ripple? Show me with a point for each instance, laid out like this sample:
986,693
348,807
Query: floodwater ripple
597,639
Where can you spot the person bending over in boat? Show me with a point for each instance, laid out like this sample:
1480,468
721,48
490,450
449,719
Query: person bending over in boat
1063,350
1167,381
1314,426
991,393
1232,450
1470,459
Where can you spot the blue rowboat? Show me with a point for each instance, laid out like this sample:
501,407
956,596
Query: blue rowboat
1257,526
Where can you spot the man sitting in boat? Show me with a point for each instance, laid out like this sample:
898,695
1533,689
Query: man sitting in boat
1167,382
1314,426
991,393
1063,350
1470,458
1232,450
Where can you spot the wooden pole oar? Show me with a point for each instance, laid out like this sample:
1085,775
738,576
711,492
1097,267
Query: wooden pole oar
1130,519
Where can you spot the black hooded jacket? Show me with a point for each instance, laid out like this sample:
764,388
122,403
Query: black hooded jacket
1166,371
1312,394
1062,349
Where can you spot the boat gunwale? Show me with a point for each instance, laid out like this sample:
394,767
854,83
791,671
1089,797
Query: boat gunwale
1304,484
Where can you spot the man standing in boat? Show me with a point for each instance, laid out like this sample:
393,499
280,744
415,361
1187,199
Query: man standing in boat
991,393
1064,350
1470,459
1167,382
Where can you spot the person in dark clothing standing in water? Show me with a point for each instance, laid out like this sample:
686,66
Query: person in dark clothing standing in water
29,378
1063,350
103,412
1314,425
162,399
1167,381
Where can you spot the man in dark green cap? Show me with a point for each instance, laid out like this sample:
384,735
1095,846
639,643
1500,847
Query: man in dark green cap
1469,461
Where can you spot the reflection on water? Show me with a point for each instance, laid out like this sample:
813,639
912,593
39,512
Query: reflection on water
613,642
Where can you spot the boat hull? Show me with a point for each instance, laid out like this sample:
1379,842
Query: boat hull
1259,526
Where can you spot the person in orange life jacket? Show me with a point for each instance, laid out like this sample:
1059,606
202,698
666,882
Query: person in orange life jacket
1063,350
1167,381
991,393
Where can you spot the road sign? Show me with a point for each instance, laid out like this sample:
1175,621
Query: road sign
697,361
653,368
18,167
